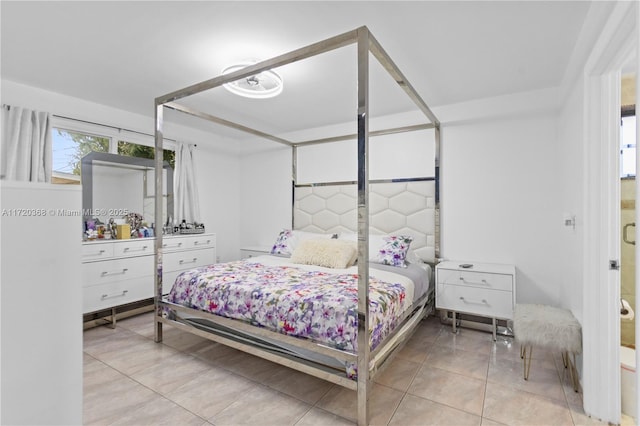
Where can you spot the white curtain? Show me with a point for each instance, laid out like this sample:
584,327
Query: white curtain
26,146
185,204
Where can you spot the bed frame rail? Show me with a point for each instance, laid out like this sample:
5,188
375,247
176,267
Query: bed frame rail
252,341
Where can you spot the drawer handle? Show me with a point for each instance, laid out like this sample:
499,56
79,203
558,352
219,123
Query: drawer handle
127,249
195,243
482,302
483,282
173,246
106,296
182,261
97,253
105,273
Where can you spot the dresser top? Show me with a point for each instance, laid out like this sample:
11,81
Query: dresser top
128,240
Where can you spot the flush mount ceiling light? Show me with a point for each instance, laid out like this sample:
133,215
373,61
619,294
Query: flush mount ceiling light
266,84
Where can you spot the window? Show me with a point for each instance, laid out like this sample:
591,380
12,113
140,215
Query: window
628,143
73,139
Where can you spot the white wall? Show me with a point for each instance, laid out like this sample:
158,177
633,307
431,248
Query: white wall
219,176
501,200
266,201
401,155
41,307
570,184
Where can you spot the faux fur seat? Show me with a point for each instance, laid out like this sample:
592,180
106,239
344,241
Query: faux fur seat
548,327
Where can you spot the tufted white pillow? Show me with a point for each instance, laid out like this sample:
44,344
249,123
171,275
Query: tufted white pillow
328,253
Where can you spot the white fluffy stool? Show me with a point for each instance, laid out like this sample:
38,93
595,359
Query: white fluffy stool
549,327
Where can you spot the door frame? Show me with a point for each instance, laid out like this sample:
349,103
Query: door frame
601,319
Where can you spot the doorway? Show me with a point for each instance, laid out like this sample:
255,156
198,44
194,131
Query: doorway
628,195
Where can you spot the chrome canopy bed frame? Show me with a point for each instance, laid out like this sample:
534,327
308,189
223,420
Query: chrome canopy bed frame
368,361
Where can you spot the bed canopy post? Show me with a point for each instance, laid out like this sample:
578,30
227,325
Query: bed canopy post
437,230
363,227
294,181
159,139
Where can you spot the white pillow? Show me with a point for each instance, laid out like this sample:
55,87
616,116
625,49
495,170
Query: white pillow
330,253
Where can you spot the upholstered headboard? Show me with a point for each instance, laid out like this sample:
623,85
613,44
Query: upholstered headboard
406,208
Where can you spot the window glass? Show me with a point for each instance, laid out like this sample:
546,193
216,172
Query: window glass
628,146
142,151
68,149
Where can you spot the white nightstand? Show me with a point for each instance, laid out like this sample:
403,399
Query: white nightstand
483,289
247,252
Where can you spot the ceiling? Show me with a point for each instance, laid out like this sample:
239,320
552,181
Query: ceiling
125,54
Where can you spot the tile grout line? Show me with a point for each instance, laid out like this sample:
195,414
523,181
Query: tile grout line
145,386
212,363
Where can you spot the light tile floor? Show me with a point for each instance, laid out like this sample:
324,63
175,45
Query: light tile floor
437,379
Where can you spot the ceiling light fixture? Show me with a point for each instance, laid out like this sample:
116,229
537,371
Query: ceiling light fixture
266,84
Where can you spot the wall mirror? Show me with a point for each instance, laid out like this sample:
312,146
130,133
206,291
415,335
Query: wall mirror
113,185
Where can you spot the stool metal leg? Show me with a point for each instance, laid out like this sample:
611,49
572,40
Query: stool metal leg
576,382
494,328
526,362
565,359
573,374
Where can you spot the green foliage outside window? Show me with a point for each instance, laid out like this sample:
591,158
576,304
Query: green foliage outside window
143,151
85,144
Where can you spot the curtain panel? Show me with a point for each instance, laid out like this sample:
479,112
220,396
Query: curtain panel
186,204
26,146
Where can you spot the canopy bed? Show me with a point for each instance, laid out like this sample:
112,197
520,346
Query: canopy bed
388,298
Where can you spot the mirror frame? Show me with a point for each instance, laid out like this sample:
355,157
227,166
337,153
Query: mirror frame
86,173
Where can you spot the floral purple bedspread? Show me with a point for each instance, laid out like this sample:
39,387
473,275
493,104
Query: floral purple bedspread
311,304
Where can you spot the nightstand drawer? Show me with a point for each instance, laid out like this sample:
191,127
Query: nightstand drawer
479,301
476,279
248,253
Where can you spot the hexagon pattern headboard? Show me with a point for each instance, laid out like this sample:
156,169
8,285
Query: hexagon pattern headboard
406,208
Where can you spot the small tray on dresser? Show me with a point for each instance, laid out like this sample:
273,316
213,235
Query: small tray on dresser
191,231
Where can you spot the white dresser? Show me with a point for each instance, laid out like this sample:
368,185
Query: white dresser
483,289
184,252
116,272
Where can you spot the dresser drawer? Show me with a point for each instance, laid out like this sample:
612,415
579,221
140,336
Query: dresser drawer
190,242
97,251
133,248
181,260
476,279
97,273
475,300
200,241
104,296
